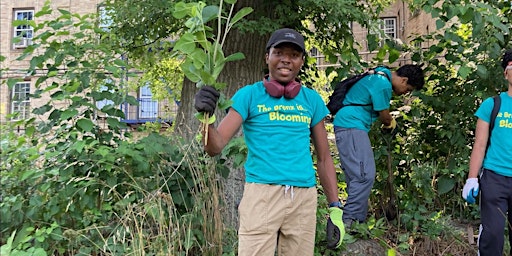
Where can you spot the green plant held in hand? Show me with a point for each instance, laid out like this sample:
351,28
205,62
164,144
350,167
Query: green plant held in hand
201,50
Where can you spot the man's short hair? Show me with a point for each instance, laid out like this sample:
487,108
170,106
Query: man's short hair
507,57
414,73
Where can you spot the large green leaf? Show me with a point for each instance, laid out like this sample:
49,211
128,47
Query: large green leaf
439,24
198,58
85,125
464,71
186,44
209,13
235,57
467,16
42,109
373,41
68,114
181,10
482,71
240,15
445,184
190,71
394,54
13,81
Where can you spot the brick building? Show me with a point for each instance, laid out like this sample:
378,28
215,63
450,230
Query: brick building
14,39
16,99
400,24
397,22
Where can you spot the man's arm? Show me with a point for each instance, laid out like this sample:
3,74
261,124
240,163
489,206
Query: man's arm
325,165
385,117
220,136
479,148
471,188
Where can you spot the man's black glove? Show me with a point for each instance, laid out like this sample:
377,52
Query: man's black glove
206,99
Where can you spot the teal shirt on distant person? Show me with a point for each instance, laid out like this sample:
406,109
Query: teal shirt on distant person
499,154
277,133
374,92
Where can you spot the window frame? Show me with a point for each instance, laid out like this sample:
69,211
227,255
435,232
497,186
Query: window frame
148,108
386,28
105,19
18,105
24,32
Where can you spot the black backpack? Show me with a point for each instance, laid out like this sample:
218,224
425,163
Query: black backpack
494,113
342,87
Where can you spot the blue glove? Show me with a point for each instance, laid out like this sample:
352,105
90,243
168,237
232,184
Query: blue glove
470,190
335,228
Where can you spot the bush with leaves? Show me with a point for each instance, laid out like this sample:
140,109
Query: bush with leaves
74,181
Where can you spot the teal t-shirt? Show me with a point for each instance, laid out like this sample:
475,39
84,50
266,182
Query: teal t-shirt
374,91
277,133
499,154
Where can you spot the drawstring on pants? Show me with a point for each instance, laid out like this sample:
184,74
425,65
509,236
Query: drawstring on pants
286,188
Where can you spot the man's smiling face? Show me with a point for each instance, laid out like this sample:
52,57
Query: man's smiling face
284,62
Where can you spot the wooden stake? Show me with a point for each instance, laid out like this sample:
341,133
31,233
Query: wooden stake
471,236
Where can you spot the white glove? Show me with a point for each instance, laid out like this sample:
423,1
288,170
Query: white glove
470,190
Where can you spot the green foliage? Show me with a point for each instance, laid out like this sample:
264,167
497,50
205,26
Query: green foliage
73,183
165,79
131,20
333,38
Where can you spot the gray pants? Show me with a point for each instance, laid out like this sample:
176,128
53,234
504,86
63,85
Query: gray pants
358,164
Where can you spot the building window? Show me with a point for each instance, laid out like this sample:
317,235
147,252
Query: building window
24,31
314,52
379,32
148,107
105,102
105,18
20,101
388,26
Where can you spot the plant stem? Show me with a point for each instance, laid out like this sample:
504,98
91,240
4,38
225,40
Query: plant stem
205,127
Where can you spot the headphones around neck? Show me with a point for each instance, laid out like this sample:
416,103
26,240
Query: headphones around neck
277,90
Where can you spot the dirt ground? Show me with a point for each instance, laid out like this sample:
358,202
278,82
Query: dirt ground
459,241
422,247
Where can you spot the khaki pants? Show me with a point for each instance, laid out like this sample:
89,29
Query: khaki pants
273,215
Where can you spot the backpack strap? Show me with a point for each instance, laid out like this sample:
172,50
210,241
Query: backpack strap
494,113
371,72
382,73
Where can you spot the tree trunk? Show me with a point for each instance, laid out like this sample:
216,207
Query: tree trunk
235,75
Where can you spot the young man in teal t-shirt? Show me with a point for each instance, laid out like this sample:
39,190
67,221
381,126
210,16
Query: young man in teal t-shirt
494,163
279,116
367,101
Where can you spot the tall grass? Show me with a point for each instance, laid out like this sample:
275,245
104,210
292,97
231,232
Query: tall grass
156,226
160,223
